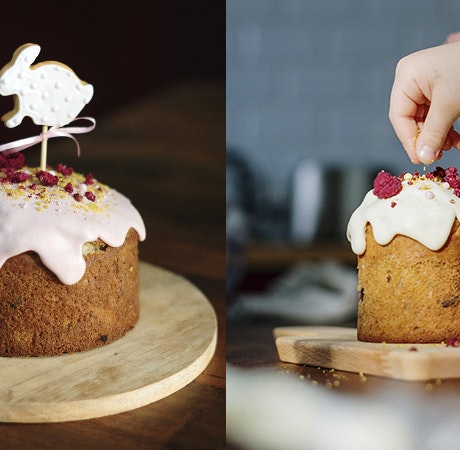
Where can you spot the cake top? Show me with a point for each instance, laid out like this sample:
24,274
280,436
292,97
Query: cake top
55,212
420,206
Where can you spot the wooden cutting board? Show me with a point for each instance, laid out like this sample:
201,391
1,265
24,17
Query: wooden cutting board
338,348
170,346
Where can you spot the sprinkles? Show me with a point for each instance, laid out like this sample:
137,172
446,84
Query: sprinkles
387,185
54,184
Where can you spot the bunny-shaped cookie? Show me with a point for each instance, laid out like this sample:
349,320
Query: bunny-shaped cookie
50,93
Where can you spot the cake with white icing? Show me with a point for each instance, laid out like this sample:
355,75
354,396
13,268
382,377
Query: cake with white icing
68,260
407,239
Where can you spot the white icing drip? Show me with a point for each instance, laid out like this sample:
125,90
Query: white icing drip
58,232
427,219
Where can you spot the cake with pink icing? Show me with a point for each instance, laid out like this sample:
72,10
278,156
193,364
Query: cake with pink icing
407,239
68,258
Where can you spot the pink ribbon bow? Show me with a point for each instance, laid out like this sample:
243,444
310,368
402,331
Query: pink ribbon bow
22,144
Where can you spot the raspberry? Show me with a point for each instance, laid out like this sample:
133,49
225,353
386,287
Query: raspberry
64,170
386,185
68,188
452,178
452,342
439,172
14,161
78,197
90,196
15,177
47,179
19,177
89,179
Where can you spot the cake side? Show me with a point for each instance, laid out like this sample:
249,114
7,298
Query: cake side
41,316
407,292
68,261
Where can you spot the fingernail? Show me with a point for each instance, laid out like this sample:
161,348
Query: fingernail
427,154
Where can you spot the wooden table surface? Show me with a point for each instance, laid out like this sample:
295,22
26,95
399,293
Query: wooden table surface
251,346
166,153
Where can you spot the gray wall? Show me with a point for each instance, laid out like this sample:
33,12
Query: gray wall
311,79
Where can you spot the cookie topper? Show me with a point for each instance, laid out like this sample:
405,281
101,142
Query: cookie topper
50,93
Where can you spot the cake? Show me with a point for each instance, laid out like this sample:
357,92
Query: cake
68,260
406,234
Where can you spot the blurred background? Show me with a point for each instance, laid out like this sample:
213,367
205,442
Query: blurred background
125,49
310,80
308,86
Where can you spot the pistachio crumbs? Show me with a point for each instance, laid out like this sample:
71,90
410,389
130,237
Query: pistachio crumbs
51,187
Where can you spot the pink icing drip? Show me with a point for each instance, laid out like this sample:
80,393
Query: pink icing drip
58,232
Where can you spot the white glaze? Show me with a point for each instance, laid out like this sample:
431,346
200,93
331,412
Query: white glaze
424,211
49,92
57,227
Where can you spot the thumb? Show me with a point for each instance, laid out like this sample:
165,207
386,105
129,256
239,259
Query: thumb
433,133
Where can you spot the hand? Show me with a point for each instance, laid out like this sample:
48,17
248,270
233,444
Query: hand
425,101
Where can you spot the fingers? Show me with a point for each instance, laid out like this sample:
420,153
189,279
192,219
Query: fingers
455,138
406,110
436,134
406,130
453,37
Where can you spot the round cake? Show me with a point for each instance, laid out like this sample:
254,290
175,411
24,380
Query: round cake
68,260
406,234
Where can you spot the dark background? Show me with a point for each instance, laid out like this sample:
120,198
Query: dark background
124,49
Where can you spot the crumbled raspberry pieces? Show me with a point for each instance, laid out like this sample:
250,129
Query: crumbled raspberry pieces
19,177
47,179
386,185
439,172
89,179
451,176
90,196
14,177
453,342
64,170
82,188
14,161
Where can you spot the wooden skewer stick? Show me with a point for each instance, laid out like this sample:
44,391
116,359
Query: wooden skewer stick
44,149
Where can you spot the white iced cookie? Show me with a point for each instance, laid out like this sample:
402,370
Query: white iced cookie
50,93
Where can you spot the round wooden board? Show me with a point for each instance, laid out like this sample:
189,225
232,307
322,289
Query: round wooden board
170,346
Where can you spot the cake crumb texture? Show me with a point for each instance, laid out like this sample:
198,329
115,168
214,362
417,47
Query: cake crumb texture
408,293
40,316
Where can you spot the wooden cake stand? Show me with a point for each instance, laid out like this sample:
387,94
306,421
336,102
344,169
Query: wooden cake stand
338,348
170,346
